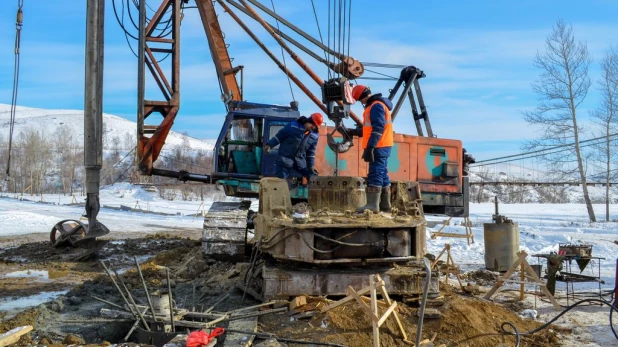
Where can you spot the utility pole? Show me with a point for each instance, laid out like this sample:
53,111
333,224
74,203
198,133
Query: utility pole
93,113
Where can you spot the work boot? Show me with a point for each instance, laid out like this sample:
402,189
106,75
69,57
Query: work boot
385,199
373,200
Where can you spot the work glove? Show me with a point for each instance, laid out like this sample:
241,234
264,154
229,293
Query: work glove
315,171
368,155
358,131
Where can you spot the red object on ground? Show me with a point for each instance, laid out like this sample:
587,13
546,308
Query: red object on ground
201,338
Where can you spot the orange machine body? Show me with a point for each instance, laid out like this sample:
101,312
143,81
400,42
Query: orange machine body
436,163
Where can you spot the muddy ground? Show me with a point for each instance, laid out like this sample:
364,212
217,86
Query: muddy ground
34,267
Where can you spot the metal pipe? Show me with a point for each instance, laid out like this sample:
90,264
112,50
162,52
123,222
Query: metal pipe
295,28
141,66
406,89
141,317
93,106
169,295
109,303
282,43
220,301
135,325
139,271
421,103
417,122
419,330
293,77
124,298
286,37
292,54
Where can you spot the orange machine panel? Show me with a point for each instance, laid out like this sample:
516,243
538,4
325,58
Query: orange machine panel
434,162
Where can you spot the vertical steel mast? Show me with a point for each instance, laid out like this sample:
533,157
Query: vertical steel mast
93,113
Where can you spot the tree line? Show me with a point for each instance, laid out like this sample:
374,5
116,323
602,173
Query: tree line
53,163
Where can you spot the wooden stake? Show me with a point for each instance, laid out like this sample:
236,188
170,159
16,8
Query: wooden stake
469,236
12,336
374,309
522,285
522,263
451,267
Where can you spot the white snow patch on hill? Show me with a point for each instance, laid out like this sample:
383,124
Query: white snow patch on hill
47,121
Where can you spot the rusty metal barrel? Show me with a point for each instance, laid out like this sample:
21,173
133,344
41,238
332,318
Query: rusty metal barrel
501,245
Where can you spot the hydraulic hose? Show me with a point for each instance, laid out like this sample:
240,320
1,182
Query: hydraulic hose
613,307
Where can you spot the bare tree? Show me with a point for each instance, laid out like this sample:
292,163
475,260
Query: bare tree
561,87
37,158
606,115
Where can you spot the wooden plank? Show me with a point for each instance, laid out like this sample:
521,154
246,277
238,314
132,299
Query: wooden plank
344,300
298,301
462,236
381,303
388,300
433,264
372,314
374,308
522,255
543,286
387,313
12,336
522,277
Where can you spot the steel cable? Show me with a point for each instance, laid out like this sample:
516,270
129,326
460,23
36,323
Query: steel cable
283,54
19,23
613,307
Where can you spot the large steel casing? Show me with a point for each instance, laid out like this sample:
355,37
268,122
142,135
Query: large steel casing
501,245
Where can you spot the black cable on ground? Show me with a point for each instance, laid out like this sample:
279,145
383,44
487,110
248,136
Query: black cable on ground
613,307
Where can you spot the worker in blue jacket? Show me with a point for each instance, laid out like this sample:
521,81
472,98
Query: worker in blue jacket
297,142
377,142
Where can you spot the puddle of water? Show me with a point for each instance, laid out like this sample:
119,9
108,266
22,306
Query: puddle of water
27,301
37,274
28,274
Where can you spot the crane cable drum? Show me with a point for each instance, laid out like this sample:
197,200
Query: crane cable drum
19,23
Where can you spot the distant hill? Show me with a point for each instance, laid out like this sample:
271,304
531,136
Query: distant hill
47,121
48,154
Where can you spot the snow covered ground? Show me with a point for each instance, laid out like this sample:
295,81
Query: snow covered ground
542,227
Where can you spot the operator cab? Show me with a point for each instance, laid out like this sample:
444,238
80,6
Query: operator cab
240,160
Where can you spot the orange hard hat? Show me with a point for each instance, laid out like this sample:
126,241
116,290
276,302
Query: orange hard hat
358,91
317,118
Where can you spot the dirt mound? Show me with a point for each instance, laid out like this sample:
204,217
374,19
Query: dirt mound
462,318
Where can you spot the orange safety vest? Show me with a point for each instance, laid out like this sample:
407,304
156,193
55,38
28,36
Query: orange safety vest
387,136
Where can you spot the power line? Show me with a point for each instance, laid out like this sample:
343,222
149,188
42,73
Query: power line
541,151
283,54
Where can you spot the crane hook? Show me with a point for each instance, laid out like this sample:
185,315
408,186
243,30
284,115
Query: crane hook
343,146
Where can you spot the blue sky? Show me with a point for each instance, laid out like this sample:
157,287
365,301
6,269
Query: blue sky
477,56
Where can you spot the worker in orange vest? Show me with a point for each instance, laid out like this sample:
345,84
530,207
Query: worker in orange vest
377,141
